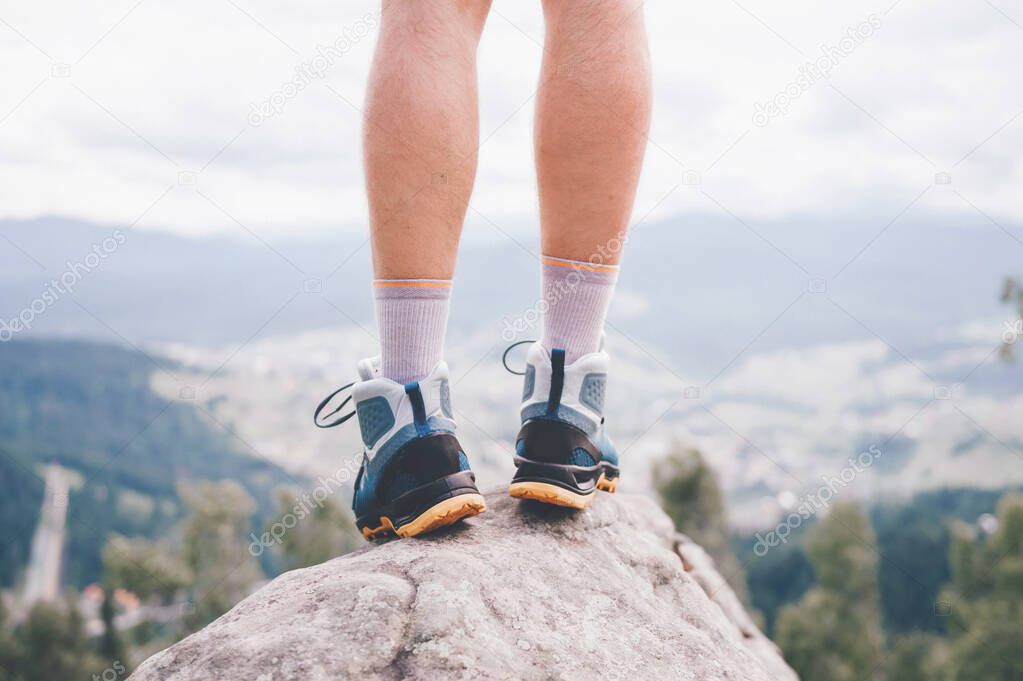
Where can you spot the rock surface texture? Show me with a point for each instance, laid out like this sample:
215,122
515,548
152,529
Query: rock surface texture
523,591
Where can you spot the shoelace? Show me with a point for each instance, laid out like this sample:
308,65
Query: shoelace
323,405
504,357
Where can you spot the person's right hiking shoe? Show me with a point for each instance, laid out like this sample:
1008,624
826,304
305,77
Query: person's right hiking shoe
414,477
562,454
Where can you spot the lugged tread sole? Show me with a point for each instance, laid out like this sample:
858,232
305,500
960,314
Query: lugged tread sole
549,494
439,515
607,485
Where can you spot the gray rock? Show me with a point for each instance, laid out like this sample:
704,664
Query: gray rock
523,591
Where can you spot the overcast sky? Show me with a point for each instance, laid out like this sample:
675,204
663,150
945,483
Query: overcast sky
141,110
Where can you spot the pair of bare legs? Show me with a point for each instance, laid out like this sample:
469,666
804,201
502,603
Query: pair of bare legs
422,129
421,144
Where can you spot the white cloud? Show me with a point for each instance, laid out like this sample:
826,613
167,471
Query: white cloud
827,379
181,77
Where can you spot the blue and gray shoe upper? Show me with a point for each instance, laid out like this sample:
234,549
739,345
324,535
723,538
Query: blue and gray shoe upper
411,455
572,394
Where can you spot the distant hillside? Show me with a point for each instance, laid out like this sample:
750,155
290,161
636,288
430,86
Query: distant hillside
19,512
89,407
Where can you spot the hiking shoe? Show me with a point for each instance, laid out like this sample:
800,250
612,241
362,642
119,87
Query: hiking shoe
562,454
414,476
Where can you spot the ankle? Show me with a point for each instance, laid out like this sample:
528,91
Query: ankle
412,316
577,295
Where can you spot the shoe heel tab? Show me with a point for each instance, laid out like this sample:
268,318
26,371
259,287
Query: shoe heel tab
558,361
415,396
557,381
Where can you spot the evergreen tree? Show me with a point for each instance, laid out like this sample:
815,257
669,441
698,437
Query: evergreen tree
9,655
985,599
311,531
834,632
111,647
918,657
215,548
691,496
53,644
147,569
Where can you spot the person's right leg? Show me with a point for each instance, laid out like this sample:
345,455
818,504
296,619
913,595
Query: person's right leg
592,116
420,142
593,112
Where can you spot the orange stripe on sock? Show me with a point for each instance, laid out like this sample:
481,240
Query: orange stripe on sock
580,266
414,284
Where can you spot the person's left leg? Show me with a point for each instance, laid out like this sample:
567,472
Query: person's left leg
592,116
420,143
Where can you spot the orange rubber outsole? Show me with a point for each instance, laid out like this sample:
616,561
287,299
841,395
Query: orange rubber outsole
607,485
447,512
549,494
558,496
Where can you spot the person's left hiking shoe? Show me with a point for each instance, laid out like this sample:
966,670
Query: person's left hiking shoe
414,477
562,453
